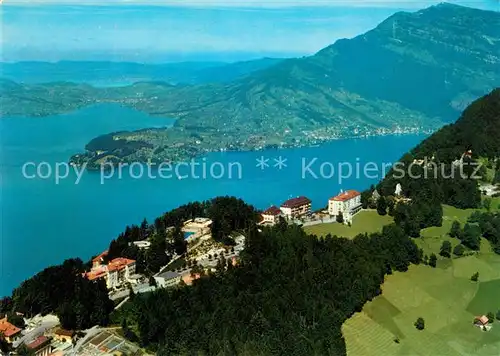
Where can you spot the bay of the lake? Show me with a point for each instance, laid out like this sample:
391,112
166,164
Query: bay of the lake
44,222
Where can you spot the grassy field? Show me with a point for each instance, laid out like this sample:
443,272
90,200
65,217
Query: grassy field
363,222
444,296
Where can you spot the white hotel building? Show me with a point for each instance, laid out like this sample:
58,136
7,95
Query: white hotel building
348,203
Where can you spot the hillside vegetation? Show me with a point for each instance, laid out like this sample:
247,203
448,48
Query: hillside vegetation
446,175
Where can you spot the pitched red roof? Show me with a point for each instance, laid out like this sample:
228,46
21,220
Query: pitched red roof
38,342
7,328
482,319
95,274
295,202
273,210
347,195
99,257
119,263
64,332
116,264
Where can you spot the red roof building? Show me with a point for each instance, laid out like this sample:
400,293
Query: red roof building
296,207
482,320
272,211
296,202
347,204
8,330
40,346
99,259
271,215
119,264
114,273
347,195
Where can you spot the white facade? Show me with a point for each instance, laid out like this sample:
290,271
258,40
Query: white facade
272,219
168,279
115,273
271,215
287,212
296,207
348,203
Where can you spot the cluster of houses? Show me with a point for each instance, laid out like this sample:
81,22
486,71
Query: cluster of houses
167,279
346,203
55,342
9,331
116,273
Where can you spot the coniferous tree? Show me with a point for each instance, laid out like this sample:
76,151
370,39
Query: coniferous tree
420,324
455,229
458,250
445,249
381,206
433,260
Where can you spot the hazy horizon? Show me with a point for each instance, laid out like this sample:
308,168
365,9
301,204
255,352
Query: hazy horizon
159,34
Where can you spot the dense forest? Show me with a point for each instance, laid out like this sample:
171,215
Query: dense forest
80,303
228,214
485,224
444,167
62,290
289,295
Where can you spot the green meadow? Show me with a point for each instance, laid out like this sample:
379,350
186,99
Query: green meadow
366,221
444,296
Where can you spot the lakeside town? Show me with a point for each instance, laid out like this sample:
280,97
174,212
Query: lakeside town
44,336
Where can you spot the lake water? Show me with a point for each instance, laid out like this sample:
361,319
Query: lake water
44,223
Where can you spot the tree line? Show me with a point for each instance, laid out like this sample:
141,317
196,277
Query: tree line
444,168
228,214
289,295
80,303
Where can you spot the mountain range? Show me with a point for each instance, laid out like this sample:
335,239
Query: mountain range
414,72
109,73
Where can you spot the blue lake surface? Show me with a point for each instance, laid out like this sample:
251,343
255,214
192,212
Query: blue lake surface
44,223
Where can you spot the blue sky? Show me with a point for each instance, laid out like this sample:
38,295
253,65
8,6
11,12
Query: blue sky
154,31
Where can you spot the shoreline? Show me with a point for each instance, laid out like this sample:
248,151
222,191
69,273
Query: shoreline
204,154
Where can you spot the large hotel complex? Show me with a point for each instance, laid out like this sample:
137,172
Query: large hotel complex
115,273
347,204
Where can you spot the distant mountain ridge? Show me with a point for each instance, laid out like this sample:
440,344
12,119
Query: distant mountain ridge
33,72
413,72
